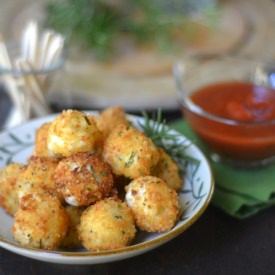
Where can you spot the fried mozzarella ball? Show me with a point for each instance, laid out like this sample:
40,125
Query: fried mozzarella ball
108,224
72,132
154,204
71,240
168,170
38,176
109,118
83,179
40,143
129,152
40,222
8,193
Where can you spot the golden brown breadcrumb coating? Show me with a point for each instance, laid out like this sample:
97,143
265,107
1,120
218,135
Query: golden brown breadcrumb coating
38,176
168,170
154,204
40,144
72,132
108,224
40,222
8,193
83,179
129,152
71,240
110,118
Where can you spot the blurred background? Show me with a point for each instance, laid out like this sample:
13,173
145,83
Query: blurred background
122,52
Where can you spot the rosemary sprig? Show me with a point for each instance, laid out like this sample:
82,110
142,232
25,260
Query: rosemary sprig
169,141
90,24
100,24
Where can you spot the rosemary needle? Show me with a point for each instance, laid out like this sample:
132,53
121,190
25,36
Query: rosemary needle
171,142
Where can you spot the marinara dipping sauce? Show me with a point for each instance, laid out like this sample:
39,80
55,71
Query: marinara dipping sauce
237,121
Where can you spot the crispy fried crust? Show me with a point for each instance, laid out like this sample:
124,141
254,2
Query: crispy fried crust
154,204
71,240
8,193
129,152
38,176
83,179
108,224
40,222
41,136
168,170
72,132
109,118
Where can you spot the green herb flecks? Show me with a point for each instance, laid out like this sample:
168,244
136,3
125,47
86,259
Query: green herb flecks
103,173
87,120
171,142
130,160
95,175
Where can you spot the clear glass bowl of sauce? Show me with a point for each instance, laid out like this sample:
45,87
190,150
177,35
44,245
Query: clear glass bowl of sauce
230,105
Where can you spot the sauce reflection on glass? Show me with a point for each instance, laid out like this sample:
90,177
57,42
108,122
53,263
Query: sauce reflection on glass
249,109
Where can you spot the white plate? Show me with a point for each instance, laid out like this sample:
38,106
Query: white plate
17,145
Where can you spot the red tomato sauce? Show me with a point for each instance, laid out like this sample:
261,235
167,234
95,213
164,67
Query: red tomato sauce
239,101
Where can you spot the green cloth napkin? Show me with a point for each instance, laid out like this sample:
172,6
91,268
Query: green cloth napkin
240,193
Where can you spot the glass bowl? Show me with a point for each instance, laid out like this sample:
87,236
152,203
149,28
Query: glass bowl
237,128
27,81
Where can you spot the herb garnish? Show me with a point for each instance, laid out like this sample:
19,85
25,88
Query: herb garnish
157,130
100,24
